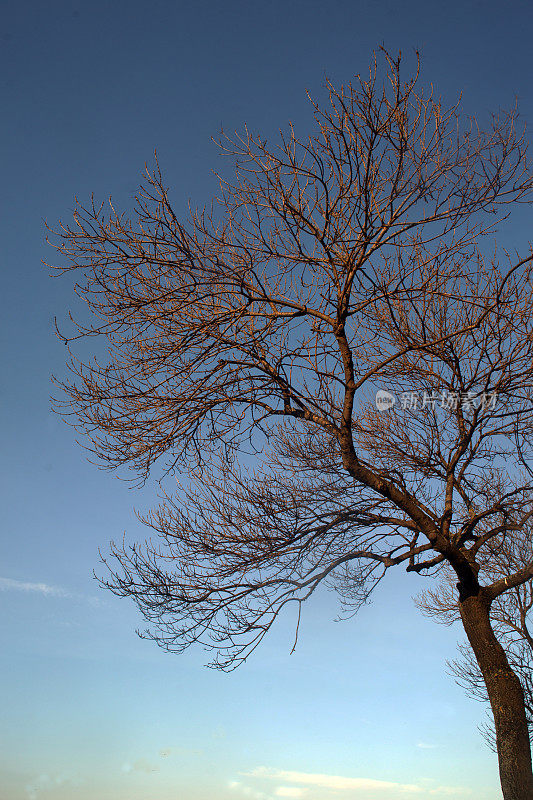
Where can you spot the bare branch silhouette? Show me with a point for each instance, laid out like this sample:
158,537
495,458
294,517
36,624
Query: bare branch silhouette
244,348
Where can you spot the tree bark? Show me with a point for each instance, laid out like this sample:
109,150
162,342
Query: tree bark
506,699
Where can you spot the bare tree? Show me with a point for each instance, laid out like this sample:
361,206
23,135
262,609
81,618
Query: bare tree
328,268
510,616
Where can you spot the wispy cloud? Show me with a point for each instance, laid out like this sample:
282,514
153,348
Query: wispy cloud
248,791
10,585
340,783
426,746
45,589
336,782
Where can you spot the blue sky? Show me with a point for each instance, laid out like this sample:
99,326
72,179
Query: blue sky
363,710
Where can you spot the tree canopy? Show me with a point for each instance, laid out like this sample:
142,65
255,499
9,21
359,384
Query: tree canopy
330,267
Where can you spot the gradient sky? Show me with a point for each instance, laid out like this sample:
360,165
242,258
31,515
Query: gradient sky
364,709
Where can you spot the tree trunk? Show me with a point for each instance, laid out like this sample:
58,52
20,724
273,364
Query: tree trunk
506,698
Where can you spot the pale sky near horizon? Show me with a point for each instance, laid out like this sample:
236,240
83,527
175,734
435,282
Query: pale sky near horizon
364,709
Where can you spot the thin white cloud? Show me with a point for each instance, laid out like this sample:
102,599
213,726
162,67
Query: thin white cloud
10,585
45,589
248,791
339,783
426,746
290,791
